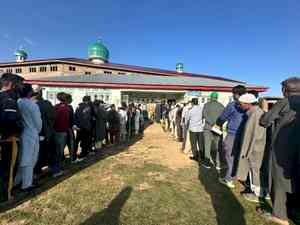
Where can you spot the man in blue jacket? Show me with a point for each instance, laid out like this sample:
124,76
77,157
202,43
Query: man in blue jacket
235,117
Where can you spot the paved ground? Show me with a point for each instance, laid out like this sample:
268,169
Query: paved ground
148,182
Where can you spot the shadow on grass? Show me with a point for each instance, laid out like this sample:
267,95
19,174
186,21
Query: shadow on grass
46,182
228,209
111,214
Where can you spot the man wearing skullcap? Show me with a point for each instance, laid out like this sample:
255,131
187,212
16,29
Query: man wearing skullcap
211,112
252,149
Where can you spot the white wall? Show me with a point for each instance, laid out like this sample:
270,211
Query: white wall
113,96
106,95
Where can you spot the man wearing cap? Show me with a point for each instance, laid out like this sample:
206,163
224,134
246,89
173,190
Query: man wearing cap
211,112
252,149
283,157
11,125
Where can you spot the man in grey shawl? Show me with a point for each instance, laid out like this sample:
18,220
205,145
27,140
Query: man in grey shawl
285,139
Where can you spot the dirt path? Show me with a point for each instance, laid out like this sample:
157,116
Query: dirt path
149,182
159,147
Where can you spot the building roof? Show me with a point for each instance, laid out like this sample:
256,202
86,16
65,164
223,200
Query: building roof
143,81
112,66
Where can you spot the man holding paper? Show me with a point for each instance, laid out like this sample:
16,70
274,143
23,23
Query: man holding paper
211,112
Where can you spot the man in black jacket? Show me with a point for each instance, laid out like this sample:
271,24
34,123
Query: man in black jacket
11,126
46,135
283,157
83,120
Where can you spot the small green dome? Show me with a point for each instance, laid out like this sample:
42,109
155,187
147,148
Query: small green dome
21,53
179,67
98,51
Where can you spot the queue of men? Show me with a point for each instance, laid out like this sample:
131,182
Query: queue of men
35,134
246,141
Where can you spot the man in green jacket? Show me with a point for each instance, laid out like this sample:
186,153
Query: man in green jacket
211,112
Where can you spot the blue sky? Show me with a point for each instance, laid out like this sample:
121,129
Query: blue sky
255,41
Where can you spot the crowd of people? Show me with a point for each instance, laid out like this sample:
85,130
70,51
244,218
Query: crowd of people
35,134
249,141
246,141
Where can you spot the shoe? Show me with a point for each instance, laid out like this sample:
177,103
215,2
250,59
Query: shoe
193,158
218,168
58,174
78,160
227,183
251,197
28,189
207,164
267,197
269,217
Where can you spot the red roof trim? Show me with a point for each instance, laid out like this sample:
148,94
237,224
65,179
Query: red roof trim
136,86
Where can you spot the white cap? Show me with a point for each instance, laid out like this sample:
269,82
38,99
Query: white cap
248,98
36,88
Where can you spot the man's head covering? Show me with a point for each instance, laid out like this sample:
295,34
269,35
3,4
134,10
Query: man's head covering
214,95
248,98
292,84
36,88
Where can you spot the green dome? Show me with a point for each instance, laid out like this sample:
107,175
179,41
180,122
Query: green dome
98,51
21,53
179,67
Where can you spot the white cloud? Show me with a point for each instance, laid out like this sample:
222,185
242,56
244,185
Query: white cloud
29,41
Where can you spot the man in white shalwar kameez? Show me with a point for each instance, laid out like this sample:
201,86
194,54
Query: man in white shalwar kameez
137,120
29,140
123,121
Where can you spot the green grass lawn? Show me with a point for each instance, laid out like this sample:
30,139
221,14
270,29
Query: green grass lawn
131,189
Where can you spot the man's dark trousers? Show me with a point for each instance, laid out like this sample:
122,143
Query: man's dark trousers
212,147
197,144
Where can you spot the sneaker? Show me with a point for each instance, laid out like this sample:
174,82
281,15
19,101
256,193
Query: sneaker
227,183
207,164
78,160
58,174
28,189
251,197
267,197
193,158
269,217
